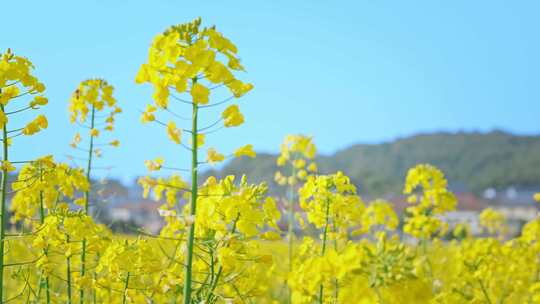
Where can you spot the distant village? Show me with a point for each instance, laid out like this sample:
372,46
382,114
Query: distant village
124,210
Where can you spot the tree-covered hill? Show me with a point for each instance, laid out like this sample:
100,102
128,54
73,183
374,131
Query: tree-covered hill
472,161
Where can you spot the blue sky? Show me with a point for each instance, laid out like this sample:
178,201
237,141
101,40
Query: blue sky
342,71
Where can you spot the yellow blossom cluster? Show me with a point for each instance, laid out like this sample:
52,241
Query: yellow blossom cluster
17,81
92,97
493,221
193,60
43,183
430,198
296,152
136,262
379,215
230,216
60,236
331,198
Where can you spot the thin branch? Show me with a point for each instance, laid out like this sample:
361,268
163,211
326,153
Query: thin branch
213,131
176,169
22,161
20,110
12,84
181,100
15,130
217,103
212,125
176,115
24,263
21,95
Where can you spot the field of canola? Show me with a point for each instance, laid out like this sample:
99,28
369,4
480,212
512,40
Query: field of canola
222,242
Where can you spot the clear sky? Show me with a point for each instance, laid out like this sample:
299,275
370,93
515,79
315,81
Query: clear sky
342,71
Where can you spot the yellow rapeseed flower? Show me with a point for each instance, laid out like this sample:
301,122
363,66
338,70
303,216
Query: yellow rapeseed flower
173,132
246,150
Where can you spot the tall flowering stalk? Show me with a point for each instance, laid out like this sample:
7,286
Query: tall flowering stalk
192,60
332,206
296,152
46,279
94,97
16,84
429,197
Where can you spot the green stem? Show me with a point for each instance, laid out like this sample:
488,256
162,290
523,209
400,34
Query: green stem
37,295
87,199
429,266
193,207
45,250
213,287
126,285
68,274
89,163
3,208
336,282
379,296
213,284
484,291
212,265
94,294
290,229
323,249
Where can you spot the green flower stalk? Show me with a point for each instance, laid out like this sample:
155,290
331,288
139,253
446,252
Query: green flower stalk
187,58
296,150
94,96
193,207
87,198
3,206
68,274
46,281
16,82
323,246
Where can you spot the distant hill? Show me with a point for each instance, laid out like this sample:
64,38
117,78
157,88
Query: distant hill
472,162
